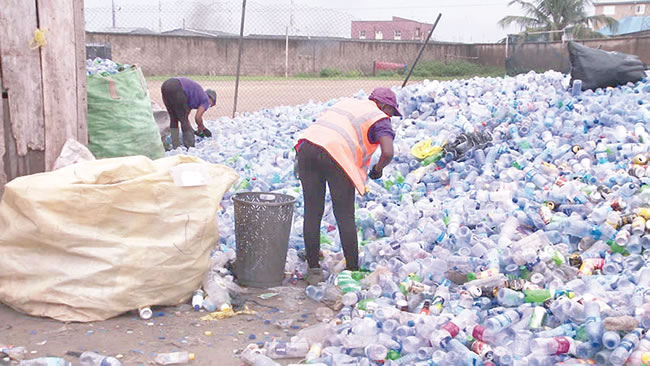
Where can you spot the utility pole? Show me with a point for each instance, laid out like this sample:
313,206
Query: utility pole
159,15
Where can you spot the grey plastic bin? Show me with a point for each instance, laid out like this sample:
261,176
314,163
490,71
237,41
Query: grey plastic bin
262,227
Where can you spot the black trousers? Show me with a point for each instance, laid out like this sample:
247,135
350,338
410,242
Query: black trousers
317,168
176,104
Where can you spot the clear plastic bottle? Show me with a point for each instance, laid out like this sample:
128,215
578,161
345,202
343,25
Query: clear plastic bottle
280,349
197,299
508,297
257,359
625,348
502,321
45,361
611,340
553,346
95,359
450,329
593,323
500,338
376,352
315,293
216,289
174,358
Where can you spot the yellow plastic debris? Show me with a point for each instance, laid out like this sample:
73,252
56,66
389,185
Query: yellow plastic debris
423,149
39,39
228,313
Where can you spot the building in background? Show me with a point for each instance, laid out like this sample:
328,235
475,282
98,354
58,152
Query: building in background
620,9
633,16
629,26
396,29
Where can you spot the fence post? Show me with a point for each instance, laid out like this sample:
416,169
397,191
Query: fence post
241,38
421,50
286,53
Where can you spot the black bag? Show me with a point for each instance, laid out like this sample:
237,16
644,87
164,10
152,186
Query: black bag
599,69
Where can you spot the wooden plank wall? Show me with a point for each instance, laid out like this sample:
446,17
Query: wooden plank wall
59,67
46,86
21,75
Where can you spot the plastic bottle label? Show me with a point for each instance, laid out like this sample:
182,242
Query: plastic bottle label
563,345
478,332
504,319
451,328
627,344
482,349
281,349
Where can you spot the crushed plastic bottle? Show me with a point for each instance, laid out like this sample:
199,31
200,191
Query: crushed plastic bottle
529,232
45,361
95,359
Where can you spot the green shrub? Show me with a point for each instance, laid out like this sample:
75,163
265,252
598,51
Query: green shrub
331,73
390,73
353,74
454,68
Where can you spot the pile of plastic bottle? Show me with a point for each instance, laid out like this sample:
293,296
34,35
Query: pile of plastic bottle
521,241
104,67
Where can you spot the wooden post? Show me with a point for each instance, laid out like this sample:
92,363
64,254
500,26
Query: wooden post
59,65
82,93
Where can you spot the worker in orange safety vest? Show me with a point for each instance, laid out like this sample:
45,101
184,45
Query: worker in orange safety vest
336,150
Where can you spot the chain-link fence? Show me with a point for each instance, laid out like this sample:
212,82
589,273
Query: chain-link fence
542,51
537,51
290,53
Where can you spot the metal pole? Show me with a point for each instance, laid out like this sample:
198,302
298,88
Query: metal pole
241,38
286,54
113,12
160,16
421,50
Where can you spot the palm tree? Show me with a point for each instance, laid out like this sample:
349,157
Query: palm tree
557,15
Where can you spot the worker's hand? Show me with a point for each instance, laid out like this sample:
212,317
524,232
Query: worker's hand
203,132
374,173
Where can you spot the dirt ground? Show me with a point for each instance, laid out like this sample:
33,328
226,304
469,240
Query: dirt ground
171,329
255,95
179,328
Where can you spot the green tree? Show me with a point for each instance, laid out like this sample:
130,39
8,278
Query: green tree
557,15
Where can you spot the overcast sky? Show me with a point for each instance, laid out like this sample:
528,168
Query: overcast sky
470,21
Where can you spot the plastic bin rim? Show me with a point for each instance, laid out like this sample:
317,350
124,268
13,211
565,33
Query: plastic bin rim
262,203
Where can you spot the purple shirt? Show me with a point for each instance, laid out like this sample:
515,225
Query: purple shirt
196,96
379,129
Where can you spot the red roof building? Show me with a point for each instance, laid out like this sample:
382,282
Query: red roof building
396,29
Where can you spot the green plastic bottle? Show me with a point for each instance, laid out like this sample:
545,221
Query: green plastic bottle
537,296
393,355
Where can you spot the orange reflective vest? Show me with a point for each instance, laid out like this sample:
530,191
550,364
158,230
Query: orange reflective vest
342,130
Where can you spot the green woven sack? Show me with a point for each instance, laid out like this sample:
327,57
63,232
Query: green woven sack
120,118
